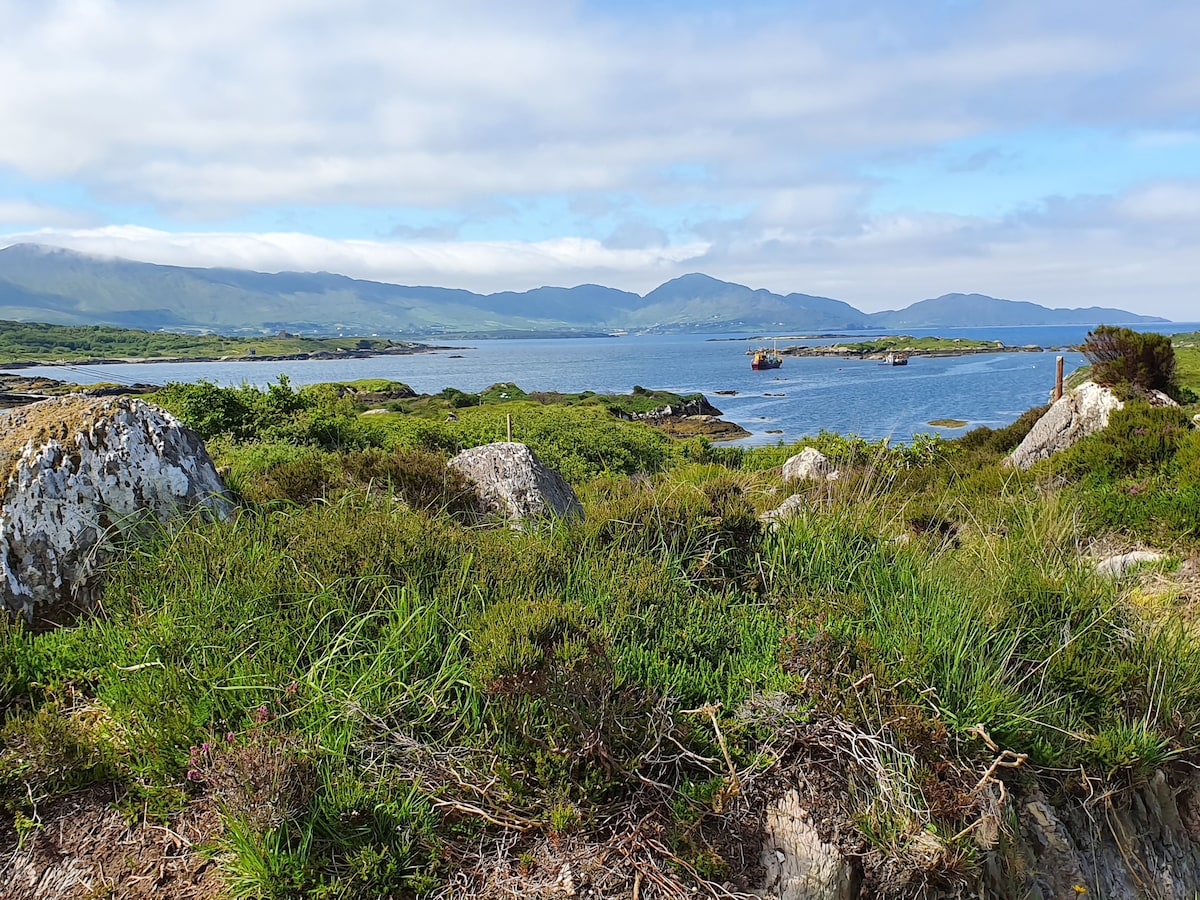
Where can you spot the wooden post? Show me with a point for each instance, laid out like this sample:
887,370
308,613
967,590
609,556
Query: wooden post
1058,379
508,423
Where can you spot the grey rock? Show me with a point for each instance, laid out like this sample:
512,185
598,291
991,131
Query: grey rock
809,464
1139,842
511,481
790,507
79,472
697,406
798,864
1116,566
1073,416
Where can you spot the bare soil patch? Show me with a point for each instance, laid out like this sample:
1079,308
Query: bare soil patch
85,849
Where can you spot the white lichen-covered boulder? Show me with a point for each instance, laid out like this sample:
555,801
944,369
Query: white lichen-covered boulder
78,472
511,481
810,464
1072,417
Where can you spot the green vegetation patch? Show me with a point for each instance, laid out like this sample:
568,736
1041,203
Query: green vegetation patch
908,342
27,342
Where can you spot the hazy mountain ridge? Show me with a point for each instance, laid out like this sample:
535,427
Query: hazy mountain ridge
64,287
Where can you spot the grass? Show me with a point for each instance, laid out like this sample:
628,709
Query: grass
366,684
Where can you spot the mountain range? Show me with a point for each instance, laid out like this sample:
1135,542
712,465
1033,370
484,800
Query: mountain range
58,286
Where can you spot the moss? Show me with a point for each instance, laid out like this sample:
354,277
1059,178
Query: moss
49,420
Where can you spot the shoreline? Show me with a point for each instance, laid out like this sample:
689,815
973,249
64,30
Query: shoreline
284,357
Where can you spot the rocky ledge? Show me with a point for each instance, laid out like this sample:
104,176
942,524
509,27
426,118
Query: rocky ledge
692,417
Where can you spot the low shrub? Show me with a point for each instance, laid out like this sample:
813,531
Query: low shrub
1131,361
1139,439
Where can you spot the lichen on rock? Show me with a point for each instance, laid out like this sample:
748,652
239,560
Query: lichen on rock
78,472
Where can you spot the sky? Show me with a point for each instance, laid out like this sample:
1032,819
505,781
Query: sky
877,152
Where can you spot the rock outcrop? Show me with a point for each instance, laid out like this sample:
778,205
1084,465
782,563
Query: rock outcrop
693,406
798,864
1072,417
809,464
79,472
1136,842
511,481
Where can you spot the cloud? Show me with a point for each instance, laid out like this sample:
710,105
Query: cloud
478,265
1175,202
1135,251
612,142
26,212
380,103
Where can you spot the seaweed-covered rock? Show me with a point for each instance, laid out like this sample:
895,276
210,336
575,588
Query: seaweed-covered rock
78,472
513,482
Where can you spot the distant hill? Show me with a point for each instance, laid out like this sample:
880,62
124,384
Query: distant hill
46,284
979,310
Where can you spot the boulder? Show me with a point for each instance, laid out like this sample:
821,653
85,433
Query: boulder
1075,415
809,464
790,507
78,472
513,482
1116,566
694,406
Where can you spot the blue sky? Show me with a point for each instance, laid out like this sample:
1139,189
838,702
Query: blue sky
877,152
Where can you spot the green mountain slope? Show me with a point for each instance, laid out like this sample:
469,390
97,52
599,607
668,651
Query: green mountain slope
44,284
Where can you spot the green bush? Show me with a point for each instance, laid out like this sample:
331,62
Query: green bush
316,415
1139,439
1002,440
1134,360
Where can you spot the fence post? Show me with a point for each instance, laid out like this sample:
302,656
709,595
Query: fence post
1058,379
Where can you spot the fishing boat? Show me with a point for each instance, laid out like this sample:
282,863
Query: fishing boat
896,359
766,359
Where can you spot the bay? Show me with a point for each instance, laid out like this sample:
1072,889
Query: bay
804,396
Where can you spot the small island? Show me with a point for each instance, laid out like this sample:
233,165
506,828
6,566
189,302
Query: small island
879,348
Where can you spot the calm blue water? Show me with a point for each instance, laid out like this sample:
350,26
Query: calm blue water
802,397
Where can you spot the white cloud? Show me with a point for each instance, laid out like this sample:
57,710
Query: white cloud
478,265
26,213
1130,253
1172,202
222,113
386,103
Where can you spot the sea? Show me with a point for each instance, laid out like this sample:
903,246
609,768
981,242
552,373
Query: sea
804,396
